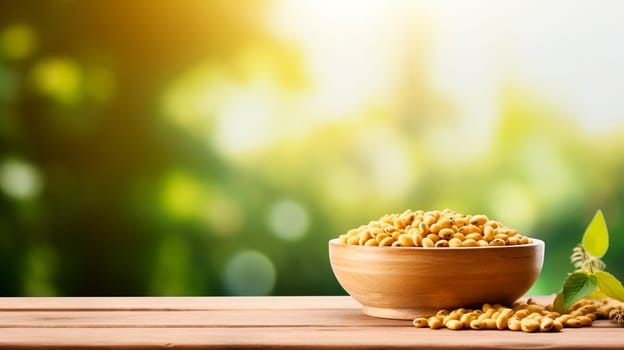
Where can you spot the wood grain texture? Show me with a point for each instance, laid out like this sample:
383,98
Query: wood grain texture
263,323
172,303
307,338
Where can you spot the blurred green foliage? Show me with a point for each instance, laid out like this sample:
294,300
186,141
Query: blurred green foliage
127,169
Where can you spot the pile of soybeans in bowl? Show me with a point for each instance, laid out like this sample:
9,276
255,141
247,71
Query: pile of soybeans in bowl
433,229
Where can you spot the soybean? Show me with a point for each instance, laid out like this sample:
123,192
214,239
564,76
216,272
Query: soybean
529,325
546,324
421,322
434,323
454,324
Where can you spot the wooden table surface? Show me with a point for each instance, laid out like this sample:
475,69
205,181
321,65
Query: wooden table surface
252,322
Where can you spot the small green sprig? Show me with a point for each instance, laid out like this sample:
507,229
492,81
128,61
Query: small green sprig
589,278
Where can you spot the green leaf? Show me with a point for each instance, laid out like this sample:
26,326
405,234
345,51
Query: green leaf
610,285
558,303
596,237
577,286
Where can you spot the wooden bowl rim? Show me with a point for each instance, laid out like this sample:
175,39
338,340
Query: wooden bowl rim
536,243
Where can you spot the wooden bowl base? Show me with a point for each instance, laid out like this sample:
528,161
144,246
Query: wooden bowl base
399,313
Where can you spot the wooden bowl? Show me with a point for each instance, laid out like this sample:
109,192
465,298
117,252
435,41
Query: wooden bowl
410,282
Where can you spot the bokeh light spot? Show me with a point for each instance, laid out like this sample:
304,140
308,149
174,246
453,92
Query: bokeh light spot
58,78
246,122
19,179
249,273
191,102
288,219
17,41
224,215
182,195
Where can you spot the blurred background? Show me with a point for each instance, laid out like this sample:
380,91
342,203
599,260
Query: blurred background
214,147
